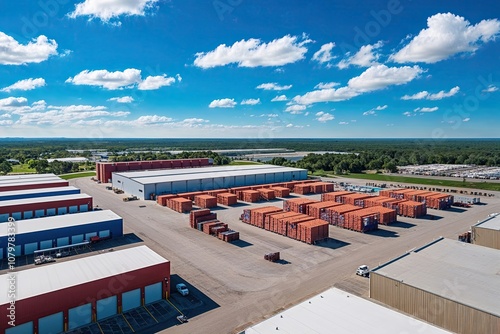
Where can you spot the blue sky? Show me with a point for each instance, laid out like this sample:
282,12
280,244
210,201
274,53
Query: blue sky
249,69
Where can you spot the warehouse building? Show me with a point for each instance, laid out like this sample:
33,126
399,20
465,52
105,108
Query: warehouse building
145,184
63,296
33,184
27,208
58,231
337,311
451,284
40,192
487,232
26,177
104,170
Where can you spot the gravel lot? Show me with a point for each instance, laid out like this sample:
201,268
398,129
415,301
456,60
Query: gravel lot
245,286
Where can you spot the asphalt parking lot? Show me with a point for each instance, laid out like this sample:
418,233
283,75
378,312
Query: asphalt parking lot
240,287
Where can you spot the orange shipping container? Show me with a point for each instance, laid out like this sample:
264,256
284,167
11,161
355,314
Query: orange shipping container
281,191
227,199
205,201
315,209
335,196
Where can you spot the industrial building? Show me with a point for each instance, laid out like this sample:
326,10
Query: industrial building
32,184
337,311
172,181
27,208
57,231
26,177
63,296
40,192
104,170
487,232
449,283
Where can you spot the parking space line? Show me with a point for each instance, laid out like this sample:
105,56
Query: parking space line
174,306
152,316
128,323
99,327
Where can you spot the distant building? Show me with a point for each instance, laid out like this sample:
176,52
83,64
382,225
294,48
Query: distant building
487,232
74,159
13,161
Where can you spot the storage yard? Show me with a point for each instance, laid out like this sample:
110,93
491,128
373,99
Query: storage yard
245,286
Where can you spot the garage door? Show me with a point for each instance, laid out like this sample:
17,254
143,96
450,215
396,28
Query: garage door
51,324
73,209
27,214
62,210
45,244
62,241
90,235
131,300
18,251
106,307
26,328
152,293
30,248
1,253
79,316
39,213
84,208
76,239
4,217
104,234
51,212
17,215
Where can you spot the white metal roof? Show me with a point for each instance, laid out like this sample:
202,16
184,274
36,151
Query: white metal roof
52,277
216,174
39,182
44,199
336,311
8,182
61,221
26,176
36,191
182,171
491,223
462,272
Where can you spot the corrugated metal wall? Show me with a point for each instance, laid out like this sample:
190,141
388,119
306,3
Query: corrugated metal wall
432,308
485,237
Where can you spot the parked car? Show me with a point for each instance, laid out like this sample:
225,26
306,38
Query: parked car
363,270
182,288
44,259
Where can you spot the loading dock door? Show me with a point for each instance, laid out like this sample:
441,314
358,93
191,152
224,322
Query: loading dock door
106,307
17,215
73,209
77,239
26,328
51,212
104,234
30,248
90,235
62,241
1,253
84,208
4,217
152,293
79,316
27,214
62,211
131,300
18,250
51,324
39,213
45,244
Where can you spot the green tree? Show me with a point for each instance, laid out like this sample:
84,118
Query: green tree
5,167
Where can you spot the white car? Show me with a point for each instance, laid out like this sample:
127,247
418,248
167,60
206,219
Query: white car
363,271
182,288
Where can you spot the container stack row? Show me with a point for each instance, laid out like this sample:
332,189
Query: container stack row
362,220
180,204
298,205
432,199
227,199
206,221
205,201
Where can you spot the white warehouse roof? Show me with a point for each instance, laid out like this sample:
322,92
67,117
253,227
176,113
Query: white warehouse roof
55,222
491,223
43,199
336,311
58,276
21,177
465,273
195,170
30,180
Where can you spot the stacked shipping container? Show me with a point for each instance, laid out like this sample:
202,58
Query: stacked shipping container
227,199
298,205
206,221
205,201
362,220
180,204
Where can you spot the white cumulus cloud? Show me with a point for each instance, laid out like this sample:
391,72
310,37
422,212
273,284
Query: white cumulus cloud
222,103
326,95
490,89
446,35
279,98
155,82
326,85
295,108
273,86
380,76
36,51
343,123
253,53
324,117
426,109
324,54
428,96
370,113
108,9
250,102
123,99
365,57
26,84
106,79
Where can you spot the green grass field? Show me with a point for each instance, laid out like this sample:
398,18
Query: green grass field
243,162
431,182
22,168
76,175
